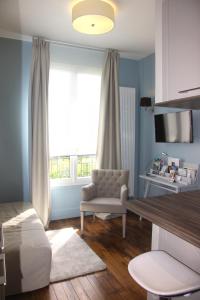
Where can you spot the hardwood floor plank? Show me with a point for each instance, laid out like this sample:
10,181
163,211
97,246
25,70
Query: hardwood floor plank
113,281
92,293
69,290
44,294
79,289
114,296
105,284
97,286
52,295
60,291
122,275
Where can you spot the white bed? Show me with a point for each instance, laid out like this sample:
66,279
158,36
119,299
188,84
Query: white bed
27,249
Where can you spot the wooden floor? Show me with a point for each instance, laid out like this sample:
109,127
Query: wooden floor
104,237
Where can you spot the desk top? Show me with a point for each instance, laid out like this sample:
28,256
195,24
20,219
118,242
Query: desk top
164,181
176,213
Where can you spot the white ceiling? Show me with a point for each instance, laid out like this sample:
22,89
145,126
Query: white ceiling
133,34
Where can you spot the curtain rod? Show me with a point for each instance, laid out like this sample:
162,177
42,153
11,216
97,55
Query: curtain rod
74,45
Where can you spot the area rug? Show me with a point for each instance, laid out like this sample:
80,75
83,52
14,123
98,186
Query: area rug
71,256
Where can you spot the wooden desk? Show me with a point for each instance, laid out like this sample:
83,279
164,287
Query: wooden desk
176,213
176,227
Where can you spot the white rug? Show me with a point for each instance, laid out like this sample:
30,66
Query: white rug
71,256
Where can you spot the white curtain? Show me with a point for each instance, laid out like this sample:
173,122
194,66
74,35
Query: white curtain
40,145
108,146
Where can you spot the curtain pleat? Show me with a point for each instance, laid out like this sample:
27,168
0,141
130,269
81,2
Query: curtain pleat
108,145
40,136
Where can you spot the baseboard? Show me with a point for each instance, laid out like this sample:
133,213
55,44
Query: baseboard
65,214
69,213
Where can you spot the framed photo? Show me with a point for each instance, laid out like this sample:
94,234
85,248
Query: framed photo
172,161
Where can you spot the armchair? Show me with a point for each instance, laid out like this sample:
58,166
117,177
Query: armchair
106,194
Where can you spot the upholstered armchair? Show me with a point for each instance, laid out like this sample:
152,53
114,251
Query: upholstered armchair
106,194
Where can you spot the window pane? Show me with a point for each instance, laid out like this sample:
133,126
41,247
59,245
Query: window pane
60,107
60,167
87,113
74,100
85,165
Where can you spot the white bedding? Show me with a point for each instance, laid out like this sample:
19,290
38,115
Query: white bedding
27,249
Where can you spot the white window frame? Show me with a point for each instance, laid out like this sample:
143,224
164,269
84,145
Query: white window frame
74,179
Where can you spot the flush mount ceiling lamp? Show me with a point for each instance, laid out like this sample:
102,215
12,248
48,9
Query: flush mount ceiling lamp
93,16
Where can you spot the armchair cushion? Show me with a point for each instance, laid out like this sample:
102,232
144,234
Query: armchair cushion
104,205
108,182
88,192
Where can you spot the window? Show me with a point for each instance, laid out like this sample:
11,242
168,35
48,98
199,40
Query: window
74,97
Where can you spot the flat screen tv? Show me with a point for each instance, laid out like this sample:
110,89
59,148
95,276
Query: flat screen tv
174,127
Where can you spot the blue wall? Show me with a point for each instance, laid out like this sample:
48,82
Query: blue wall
15,58
147,89
149,149
65,202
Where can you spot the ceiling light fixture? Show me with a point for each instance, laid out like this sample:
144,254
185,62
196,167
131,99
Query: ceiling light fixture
93,16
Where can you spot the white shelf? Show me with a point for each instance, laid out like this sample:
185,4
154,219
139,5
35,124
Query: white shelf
164,183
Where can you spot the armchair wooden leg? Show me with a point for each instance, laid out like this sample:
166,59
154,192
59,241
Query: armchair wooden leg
124,226
94,217
82,221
